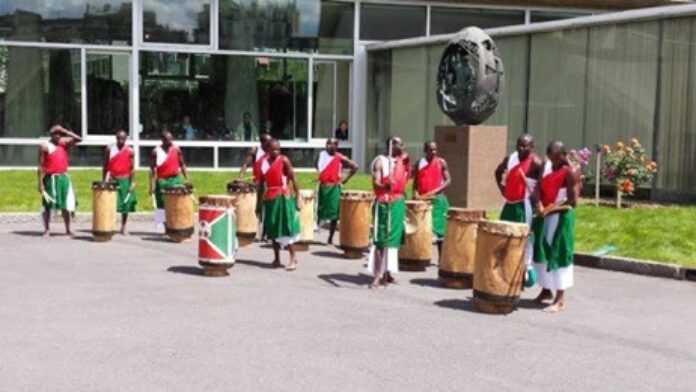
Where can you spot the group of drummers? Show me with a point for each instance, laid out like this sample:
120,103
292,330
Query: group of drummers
539,193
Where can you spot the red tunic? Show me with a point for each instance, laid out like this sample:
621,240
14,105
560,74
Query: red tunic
56,162
331,174
274,178
430,176
121,164
170,167
551,184
516,181
398,180
261,156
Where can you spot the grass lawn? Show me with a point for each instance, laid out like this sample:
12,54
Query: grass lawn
661,234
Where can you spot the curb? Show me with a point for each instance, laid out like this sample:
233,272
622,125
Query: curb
636,266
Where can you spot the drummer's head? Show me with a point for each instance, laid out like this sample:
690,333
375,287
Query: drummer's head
274,148
167,138
265,139
396,144
525,145
331,145
121,138
556,152
430,149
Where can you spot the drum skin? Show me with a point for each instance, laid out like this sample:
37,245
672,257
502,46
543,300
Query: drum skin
499,269
178,207
417,251
103,211
354,225
307,220
245,208
459,248
215,215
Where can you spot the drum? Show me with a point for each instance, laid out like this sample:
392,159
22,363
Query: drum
417,251
354,225
459,248
307,220
217,237
500,267
178,209
103,210
245,210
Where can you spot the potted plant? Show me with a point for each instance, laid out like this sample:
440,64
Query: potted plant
627,167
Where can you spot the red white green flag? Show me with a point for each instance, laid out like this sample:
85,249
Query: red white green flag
217,235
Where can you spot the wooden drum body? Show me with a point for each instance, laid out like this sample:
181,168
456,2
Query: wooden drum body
459,248
103,210
354,225
178,207
499,270
417,251
217,237
307,220
245,209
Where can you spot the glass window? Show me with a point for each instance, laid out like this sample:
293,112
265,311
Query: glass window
548,16
38,87
81,156
276,25
331,92
380,22
107,93
193,156
219,97
176,21
17,155
93,21
446,20
336,27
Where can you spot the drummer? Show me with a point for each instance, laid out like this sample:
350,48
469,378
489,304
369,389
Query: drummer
554,227
431,179
255,158
119,168
330,166
55,186
280,205
390,174
166,169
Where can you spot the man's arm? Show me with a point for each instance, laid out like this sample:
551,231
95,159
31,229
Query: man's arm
352,167
248,160
182,163
377,182
105,166
70,138
446,176
40,172
414,185
131,177
499,171
290,174
572,182
535,174
153,171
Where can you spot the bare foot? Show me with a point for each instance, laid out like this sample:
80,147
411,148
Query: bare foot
375,286
46,234
276,264
70,234
555,308
543,297
124,231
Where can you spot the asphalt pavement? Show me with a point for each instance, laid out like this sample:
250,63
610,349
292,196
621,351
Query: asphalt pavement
135,314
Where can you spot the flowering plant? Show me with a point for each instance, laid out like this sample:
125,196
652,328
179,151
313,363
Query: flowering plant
627,166
581,159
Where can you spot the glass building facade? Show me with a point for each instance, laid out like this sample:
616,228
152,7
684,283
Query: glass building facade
585,85
214,72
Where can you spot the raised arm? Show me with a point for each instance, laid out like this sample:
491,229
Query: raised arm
69,138
499,171
352,167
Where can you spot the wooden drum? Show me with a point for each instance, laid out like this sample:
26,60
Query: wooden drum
307,220
245,208
178,207
354,225
417,251
217,237
459,248
500,267
103,210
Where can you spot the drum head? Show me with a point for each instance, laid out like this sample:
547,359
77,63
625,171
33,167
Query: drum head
239,186
507,229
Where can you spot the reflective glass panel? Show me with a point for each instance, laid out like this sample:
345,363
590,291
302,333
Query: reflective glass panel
451,20
331,94
381,22
548,16
107,93
176,21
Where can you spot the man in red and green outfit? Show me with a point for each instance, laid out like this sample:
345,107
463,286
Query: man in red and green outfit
281,222
255,157
517,177
54,185
390,173
166,169
431,179
330,166
119,168
554,227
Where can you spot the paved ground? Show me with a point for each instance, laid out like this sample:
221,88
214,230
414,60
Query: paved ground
135,314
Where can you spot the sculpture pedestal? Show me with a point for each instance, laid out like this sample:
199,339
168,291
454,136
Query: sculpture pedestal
472,152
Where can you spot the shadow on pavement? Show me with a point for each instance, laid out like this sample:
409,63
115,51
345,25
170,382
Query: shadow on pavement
86,238
529,304
456,304
333,255
37,233
186,269
428,282
143,233
259,264
156,239
333,279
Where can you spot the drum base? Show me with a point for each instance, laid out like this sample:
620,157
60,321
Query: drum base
179,235
352,253
494,304
215,270
301,246
456,280
413,265
244,239
102,236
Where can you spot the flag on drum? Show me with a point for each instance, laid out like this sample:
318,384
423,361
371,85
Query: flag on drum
217,240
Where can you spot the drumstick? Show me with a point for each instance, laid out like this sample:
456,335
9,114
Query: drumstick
154,201
48,198
125,199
